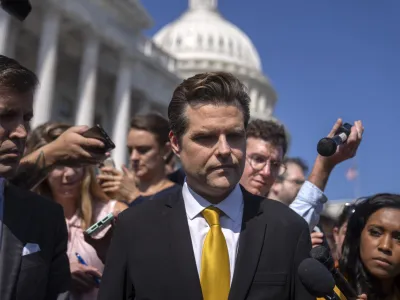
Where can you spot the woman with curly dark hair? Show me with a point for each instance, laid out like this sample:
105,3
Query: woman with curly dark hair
371,249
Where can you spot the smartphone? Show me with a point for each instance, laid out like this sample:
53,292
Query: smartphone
109,162
100,225
97,132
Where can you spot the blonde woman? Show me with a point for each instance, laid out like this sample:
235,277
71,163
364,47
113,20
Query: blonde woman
84,203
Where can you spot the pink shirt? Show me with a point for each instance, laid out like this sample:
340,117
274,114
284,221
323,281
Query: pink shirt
76,243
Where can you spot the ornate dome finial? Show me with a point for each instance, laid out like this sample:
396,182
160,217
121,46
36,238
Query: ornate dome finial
203,4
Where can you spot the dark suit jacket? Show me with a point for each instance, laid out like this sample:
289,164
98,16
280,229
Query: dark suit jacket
151,254
29,218
178,176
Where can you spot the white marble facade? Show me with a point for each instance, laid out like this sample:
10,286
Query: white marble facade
93,63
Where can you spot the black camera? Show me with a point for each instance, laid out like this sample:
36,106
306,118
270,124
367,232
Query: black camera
19,9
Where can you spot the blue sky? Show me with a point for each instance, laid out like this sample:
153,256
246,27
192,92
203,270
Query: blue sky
326,59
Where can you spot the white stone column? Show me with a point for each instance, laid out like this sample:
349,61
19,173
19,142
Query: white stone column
5,20
253,100
46,68
13,36
86,104
122,102
262,102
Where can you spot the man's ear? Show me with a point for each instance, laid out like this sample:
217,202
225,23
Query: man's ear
174,143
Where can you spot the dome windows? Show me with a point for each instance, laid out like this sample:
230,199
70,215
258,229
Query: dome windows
200,40
221,43
239,49
178,41
230,46
210,41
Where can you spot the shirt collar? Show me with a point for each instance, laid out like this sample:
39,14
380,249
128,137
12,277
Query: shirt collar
195,204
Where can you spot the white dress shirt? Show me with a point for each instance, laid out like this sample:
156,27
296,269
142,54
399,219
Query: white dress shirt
231,222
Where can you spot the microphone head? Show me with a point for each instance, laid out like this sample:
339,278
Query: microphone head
316,278
326,147
323,255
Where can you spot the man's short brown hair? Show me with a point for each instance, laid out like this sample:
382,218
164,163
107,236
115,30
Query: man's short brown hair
16,78
269,131
218,88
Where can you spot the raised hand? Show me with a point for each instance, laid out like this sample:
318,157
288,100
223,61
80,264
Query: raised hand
348,149
69,149
323,166
121,184
72,149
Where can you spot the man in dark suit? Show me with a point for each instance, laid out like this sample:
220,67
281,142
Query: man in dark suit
212,240
33,233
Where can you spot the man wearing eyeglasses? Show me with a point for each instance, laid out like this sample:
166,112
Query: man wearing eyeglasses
266,148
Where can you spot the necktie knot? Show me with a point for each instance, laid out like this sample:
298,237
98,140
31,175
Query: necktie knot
212,214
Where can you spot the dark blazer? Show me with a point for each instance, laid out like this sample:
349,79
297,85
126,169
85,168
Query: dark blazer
29,218
151,254
178,176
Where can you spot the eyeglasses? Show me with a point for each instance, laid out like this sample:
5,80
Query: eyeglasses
258,162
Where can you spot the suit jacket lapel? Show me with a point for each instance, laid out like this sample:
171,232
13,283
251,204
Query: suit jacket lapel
184,271
250,245
15,221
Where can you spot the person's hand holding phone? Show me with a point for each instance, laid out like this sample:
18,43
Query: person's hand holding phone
101,244
72,149
83,277
120,184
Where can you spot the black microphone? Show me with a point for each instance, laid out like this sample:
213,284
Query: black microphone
317,279
327,146
19,9
323,255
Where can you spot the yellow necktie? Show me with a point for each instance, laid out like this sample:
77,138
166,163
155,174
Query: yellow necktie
215,271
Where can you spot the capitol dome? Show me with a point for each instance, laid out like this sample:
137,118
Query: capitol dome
202,40
201,33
